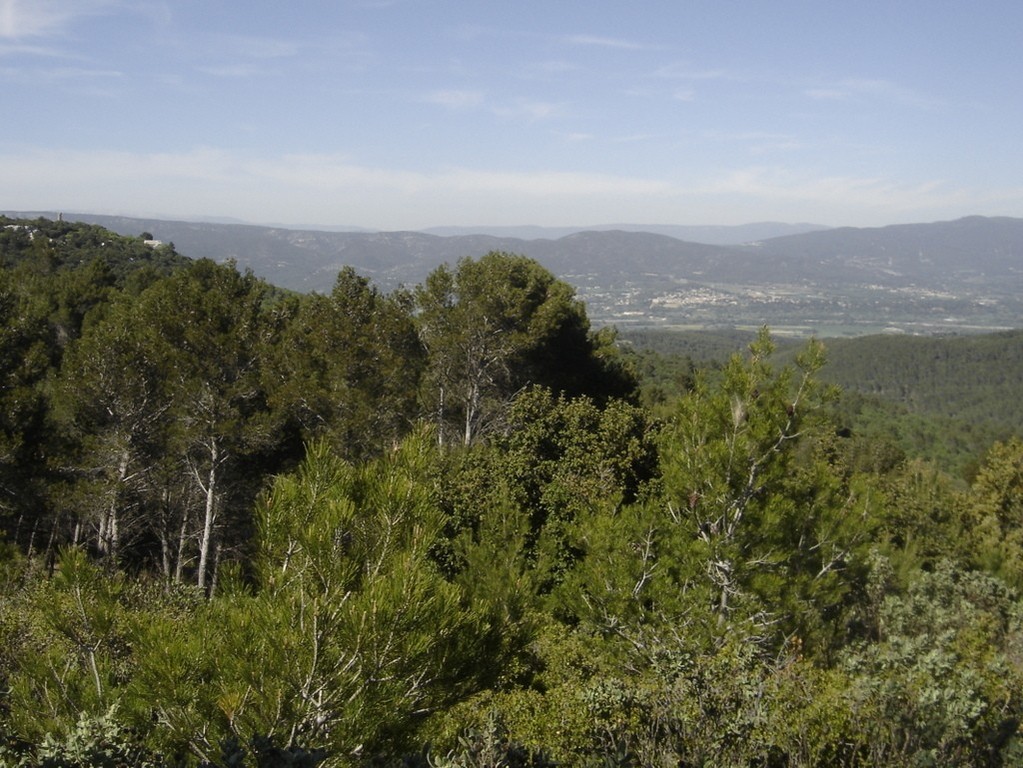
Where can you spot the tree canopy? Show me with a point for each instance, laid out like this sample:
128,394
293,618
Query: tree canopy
495,325
441,527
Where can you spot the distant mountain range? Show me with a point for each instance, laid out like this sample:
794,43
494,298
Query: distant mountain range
950,276
309,259
710,235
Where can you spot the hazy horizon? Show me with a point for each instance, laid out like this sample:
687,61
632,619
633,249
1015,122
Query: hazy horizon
417,114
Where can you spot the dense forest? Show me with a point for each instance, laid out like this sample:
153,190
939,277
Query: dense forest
943,398
453,525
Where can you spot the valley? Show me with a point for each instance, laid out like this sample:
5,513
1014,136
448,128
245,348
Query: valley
798,309
952,277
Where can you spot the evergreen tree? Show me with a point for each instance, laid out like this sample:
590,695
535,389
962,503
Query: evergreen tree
348,638
114,405
496,325
347,368
205,328
26,360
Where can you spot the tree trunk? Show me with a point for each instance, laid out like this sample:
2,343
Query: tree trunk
182,544
210,515
109,527
440,419
471,405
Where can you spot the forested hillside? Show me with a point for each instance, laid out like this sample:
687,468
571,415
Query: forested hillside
972,377
942,398
453,525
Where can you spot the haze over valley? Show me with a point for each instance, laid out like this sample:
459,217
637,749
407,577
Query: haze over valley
944,277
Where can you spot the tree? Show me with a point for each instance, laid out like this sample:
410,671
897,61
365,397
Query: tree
27,357
113,405
347,368
997,512
347,637
753,531
69,651
61,285
772,522
563,462
496,325
205,326
520,506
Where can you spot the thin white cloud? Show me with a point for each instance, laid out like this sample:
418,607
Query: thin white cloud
854,88
21,19
78,171
636,138
531,110
466,32
827,94
751,143
232,71
554,67
454,98
747,137
8,49
775,184
525,109
43,76
241,56
889,91
235,56
606,42
550,183
36,18
375,4
338,172
684,71
259,47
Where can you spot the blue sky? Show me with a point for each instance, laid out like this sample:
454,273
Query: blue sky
405,114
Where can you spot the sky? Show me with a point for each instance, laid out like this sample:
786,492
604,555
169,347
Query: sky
408,114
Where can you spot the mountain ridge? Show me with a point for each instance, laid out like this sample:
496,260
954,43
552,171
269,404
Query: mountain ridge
954,276
708,234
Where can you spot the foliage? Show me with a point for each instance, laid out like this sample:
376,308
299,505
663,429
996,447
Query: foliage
943,678
944,399
265,754
97,742
753,527
25,361
347,368
71,649
70,246
996,522
495,325
933,374
347,638
437,528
